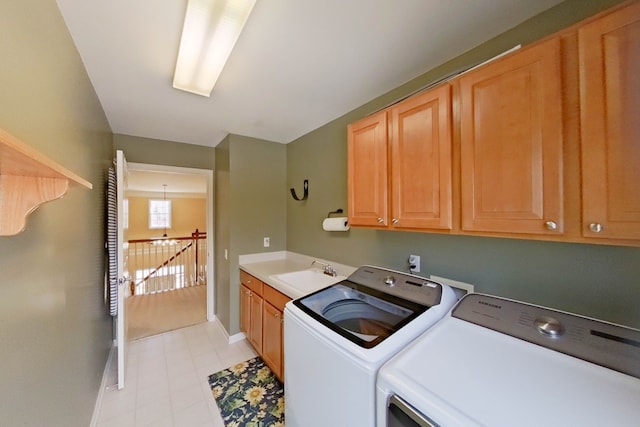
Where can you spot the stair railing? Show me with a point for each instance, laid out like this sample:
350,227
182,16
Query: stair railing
166,264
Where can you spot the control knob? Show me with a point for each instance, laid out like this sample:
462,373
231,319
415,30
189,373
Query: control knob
549,327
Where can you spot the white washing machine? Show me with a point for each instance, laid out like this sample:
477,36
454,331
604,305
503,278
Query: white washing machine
494,362
336,339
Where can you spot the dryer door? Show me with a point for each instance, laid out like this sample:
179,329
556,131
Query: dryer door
401,414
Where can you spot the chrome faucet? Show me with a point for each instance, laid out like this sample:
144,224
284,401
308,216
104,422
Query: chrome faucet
328,269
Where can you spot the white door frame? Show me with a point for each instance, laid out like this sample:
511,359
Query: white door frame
208,174
121,319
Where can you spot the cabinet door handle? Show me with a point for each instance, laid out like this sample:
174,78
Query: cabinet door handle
380,220
395,221
277,315
596,227
551,225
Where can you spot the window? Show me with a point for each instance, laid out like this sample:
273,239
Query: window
159,214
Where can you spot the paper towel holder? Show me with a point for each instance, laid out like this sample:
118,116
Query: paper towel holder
339,211
305,196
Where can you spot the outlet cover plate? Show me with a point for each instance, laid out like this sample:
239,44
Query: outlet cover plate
414,260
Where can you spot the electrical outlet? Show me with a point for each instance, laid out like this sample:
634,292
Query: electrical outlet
414,263
267,242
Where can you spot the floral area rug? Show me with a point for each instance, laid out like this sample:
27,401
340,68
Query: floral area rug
249,395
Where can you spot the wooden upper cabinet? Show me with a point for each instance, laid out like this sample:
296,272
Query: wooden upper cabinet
609,50
511,143
367,171
421,161
409,174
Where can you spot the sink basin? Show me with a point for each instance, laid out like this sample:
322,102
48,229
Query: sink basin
307,281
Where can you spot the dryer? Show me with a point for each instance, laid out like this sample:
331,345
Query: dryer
494,362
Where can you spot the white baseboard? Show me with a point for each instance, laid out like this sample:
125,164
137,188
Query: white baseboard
103,386
237,337
230,339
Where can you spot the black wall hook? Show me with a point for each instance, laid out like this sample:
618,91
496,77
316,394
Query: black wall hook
306,192
339,211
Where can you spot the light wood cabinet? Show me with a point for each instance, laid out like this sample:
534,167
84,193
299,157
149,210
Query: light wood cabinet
609,58
272,345
542,143
245,309
273,330
261,318
255,331
400,164
251,309
367,171
421,161
511,143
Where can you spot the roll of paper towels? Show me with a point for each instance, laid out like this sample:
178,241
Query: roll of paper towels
335,224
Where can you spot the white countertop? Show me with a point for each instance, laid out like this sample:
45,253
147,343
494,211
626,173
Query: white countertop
264,266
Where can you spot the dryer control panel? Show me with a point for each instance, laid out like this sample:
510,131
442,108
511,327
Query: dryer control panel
605,344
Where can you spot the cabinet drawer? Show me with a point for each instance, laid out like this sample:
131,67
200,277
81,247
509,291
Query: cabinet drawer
275,298
251,282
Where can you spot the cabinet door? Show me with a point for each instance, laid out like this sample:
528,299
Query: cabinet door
367,171
511,143
609,51
272,339
255,330
245,309
421,161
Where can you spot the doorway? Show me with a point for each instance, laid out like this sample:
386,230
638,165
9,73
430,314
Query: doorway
168,295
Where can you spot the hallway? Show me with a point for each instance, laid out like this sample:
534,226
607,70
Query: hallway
154,314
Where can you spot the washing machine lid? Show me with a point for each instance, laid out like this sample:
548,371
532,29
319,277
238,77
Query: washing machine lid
371,305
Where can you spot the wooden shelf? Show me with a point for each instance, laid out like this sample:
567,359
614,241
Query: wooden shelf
28,179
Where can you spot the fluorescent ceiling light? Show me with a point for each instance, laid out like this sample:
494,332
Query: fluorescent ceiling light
211,29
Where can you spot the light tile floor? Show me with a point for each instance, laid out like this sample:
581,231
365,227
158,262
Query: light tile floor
166,379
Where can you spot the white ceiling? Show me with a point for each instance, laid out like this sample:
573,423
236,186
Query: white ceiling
297,65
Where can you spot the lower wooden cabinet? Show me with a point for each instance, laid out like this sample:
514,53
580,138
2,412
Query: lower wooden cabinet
272,348
245,310
251,309
261,318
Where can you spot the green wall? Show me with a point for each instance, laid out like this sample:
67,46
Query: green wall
597,281
254,203
166,153
55,331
